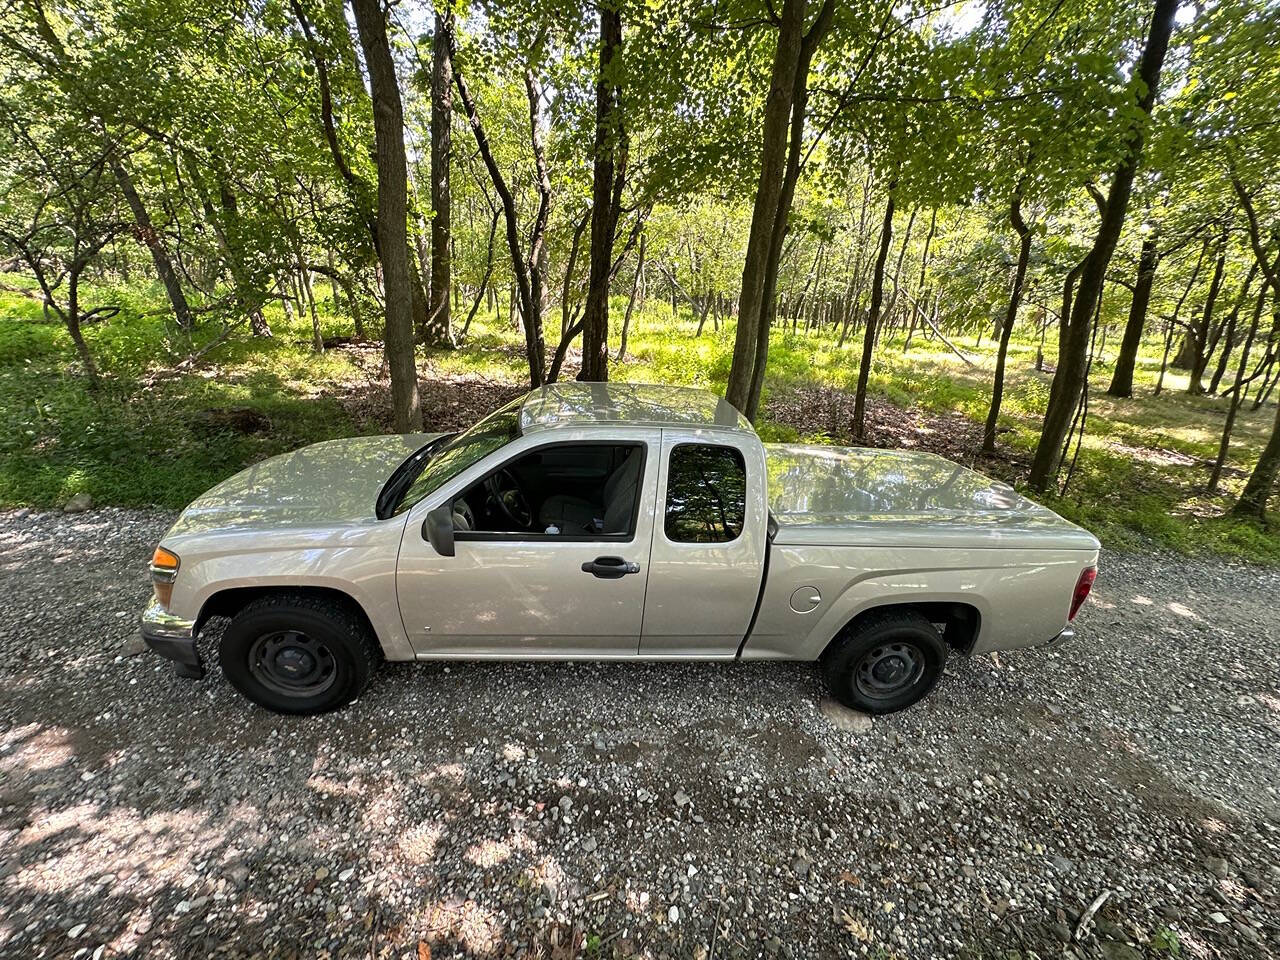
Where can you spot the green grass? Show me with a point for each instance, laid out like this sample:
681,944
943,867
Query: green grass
137,440
1139,480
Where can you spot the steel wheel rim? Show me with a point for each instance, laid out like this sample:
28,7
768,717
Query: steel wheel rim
888,670
292,664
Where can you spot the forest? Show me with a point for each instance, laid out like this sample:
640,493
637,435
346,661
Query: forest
1040,237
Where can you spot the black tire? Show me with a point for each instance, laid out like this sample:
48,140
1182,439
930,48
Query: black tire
299,654
885,662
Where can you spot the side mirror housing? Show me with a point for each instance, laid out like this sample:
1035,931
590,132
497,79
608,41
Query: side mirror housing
437,529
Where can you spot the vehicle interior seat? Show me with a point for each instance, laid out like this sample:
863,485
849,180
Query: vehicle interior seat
574,515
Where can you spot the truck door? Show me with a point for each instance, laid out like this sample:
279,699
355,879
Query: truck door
709,543
573,593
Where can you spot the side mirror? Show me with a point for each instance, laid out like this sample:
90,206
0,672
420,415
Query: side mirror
437,529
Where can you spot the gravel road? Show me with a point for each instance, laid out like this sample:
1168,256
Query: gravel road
706,811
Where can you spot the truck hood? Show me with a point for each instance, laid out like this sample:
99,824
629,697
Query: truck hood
330,484
862,495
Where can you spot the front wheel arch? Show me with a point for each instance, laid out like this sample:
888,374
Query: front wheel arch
227,603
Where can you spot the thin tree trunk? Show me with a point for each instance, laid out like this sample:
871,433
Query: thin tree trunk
873,317
1068,381
631,302
317,339
72,320
921,293
438,328
145,232
527,291
890,310
484,281
1200,334
333,280
566,320
1011,316
392,222
1148,260
1224,358
1237,394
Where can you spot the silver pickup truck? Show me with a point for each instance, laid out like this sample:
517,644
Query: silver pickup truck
609,521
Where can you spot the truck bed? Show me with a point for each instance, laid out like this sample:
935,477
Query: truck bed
869,497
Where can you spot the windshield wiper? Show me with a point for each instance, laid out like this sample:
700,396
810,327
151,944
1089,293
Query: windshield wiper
404,475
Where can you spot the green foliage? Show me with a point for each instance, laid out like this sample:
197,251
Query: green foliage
139,440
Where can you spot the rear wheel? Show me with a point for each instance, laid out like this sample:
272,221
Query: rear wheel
885,662
300,654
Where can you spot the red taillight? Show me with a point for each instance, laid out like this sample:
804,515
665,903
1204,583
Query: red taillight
1083,586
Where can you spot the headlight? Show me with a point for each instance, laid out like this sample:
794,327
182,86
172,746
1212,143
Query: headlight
164,570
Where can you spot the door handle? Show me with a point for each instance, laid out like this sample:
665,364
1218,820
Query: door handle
610,568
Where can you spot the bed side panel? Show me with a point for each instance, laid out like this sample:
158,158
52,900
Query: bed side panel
1022,595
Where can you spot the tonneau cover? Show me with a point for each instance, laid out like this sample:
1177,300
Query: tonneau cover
866,496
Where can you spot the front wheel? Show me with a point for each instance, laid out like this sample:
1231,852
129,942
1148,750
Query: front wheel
886,662
299,654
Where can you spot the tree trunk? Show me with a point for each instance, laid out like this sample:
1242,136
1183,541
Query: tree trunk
631,303
793,139
1257,490
1122,377
1011,316
1068,381
1200,334
773,153
317,339
1237,394
72,320
485,289
922,295
891,310
393,214
527,290
438,329
1173,318
1229,329
145,232
1252,504
609,158
873,318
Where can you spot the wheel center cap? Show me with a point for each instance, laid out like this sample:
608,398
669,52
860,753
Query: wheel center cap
294,662
890,669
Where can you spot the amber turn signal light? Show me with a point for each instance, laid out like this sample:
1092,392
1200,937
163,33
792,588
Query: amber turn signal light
164,570
164,561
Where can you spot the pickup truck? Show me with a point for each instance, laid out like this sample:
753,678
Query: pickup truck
592,521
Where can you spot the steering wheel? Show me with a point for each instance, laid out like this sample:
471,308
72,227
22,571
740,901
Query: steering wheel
507,493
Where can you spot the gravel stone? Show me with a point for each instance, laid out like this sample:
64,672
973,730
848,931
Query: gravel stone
842,718
175,820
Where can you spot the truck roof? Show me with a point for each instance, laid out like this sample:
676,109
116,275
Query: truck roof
628,404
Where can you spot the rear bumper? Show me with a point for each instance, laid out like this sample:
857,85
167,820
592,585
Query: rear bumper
1068,633
173,638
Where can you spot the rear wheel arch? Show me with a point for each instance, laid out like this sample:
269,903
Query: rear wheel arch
958,622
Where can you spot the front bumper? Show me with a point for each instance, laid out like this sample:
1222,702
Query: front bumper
173,638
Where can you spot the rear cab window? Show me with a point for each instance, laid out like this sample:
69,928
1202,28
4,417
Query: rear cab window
706,494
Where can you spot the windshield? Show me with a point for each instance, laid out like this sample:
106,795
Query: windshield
494,431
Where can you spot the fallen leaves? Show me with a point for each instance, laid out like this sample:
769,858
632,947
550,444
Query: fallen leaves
853,926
